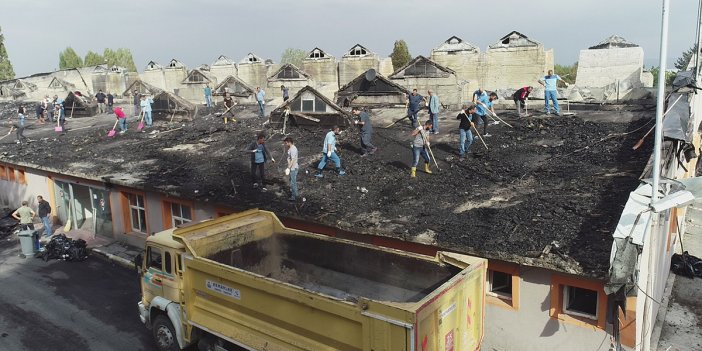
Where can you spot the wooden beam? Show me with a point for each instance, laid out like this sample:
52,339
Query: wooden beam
302,115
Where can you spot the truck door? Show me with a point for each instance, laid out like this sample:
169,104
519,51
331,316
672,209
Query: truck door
152,281
170,277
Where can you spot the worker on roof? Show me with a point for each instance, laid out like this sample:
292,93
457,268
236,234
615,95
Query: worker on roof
434,105
550,83
466,116
365,129
419,147
329,153
414,103
146,109
293,167
483,107
261,99
520,97
259,156
208,96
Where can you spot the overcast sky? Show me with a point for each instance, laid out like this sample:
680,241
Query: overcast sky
197,32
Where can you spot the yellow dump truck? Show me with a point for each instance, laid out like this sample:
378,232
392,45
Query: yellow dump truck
246,281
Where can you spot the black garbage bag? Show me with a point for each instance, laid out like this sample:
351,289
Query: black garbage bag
686,265
64,248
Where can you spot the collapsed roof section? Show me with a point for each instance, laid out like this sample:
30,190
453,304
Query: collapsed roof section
376,91
514,40
141,87
318,54
251,58
173,105
613,42
223,61
309,108
422,67
79,106
455,44
198,76
234,86
358,50
289,72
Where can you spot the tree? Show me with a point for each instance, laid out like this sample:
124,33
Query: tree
293,56
400,54
69,59
121,57
6,70
567,73
682,62
93,59
669,76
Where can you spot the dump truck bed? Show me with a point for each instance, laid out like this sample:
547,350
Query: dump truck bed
252,281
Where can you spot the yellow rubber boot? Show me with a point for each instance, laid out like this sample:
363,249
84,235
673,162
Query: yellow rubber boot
426,168
414,172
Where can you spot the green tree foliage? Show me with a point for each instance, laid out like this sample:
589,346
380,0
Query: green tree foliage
6,70
567,73
669,76
121,57
682,61
93,59
69,59
400,54
293,56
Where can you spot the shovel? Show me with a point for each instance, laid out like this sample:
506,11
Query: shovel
114,130
58,127
141,121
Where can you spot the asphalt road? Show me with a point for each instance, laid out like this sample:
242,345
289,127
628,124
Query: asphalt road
59,305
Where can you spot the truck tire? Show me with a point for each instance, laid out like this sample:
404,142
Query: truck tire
164,334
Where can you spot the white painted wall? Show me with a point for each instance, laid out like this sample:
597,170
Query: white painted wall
602,67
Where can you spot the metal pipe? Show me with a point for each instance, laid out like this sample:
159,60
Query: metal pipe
660,102
697,40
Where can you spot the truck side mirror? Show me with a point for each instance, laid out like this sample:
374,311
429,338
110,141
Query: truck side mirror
138,263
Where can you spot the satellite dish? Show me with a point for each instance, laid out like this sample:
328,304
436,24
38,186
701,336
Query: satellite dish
370,75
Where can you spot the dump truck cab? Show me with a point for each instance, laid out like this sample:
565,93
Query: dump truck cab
161,273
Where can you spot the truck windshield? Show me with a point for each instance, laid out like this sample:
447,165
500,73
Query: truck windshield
155,258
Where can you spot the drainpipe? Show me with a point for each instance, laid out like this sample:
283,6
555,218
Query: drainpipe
655,239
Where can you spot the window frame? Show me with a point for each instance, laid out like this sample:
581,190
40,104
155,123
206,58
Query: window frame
149,253
125,205
557,310
21,176
11,174
167,211
566,300
500,300
180,217
136,207
3,172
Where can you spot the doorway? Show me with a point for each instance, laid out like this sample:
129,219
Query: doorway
87,207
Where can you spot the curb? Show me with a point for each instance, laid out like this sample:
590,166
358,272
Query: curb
113,258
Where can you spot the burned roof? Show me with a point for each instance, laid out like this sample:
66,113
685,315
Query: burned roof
547,195
421,66
170,104
361,86
614,41
141,87
235,86
309,107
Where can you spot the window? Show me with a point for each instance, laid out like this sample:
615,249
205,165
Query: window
21,176
288,73
503,284
580,302
196,78
180,214
137,212
167,263
307,105
317,54
500,284
10,174
154,261
421,68
357,51
3,172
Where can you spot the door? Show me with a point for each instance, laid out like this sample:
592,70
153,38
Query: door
102,213
152,282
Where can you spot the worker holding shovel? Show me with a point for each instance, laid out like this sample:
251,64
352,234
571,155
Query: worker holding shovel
121,119
21,117
419,147
484,106
466,116
146,109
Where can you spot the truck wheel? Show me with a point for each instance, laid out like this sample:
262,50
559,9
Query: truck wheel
164,334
